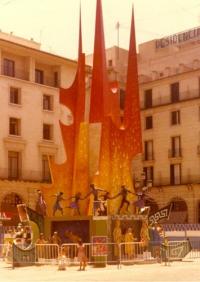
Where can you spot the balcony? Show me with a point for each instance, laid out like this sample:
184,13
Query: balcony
24,175
175,153
165,100
16,73
148,157
19,73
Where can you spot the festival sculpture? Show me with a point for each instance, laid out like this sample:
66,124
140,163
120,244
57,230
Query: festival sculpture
119,136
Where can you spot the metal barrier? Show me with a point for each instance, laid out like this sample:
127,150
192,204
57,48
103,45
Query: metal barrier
175,250
101,254
6,251
96,253
47,253
133,252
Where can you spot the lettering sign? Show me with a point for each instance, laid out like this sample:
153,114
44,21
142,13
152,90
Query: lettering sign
160,214
178,38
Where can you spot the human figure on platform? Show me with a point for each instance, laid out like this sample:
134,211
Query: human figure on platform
144,234
140,203
95,192
103,206
75,203
57,206
124,193
129,246
41,206
117,237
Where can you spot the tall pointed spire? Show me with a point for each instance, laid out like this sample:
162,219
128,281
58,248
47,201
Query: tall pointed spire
132,102
80,35
99,89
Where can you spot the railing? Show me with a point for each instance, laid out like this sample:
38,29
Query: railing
148,156
138,252
48,253
175,153
166,99
24,75
102,253
26,175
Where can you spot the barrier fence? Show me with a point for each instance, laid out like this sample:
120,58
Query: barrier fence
101,253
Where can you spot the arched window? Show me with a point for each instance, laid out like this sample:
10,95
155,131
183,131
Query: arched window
179,211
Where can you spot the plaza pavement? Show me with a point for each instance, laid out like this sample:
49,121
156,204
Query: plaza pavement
188,271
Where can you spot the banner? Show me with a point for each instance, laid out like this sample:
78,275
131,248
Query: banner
163,213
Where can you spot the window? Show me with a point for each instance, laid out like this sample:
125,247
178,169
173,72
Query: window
46,176
149,122
110,63
199,113
47,102
148,98
14,165
8,67
175,117
148,171
55,79
148,150
15,95
175,174
174,87
176,147
14,126
39,76
47,131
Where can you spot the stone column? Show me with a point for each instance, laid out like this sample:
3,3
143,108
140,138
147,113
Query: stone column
31,69
1,62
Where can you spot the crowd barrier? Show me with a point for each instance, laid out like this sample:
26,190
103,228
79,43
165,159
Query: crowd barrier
101,253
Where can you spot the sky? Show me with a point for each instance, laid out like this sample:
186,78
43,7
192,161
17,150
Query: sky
54,23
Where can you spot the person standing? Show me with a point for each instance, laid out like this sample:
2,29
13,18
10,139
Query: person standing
81,255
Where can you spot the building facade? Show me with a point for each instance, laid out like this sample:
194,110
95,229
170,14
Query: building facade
169,79
169,76
29,114
169,73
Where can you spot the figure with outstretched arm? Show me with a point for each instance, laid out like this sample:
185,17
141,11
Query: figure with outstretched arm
95,192
124,193
75,202
57,206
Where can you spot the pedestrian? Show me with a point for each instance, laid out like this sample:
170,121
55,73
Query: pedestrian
81,255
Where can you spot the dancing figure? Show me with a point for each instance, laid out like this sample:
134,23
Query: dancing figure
124,193
75,203
57,206
41,206
95,192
